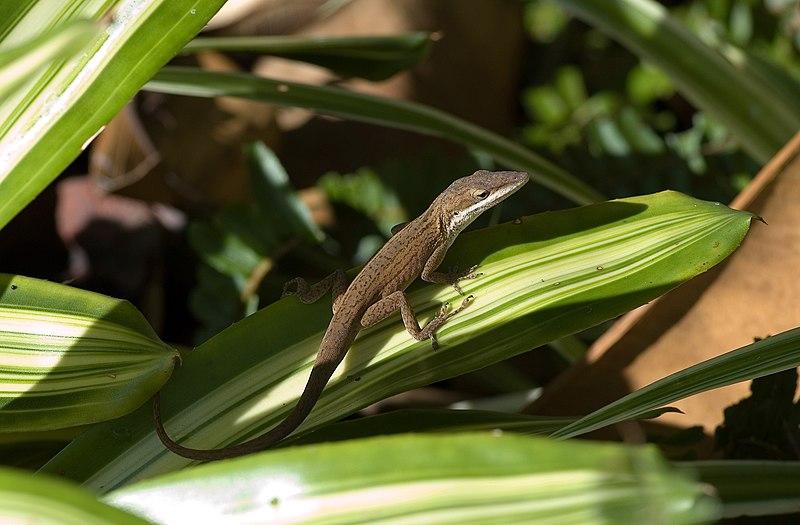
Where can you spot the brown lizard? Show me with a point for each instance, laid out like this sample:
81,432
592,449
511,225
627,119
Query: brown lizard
416,249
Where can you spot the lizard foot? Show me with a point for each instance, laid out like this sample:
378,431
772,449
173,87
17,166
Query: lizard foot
444,315
456,276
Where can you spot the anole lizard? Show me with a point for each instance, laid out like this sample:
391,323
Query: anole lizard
415,249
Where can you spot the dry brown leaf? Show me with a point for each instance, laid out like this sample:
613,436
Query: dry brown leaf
752,295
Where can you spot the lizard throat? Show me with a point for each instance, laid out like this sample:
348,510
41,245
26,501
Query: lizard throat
460,219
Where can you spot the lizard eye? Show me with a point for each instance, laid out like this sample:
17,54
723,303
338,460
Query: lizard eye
480,194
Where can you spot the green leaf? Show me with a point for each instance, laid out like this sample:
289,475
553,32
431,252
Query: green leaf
231,242
646,85
26,498
277,203
439,421
370,57
18,64
239,243
366,192
547,276
431,420
426,479
45,126
751,488
768,356
377,110
749,105
70,357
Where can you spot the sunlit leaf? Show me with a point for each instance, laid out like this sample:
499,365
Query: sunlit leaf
45,126
31,499
429,479
70,357
773,354
547,276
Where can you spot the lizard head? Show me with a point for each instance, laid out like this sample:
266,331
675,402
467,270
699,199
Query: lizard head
466,198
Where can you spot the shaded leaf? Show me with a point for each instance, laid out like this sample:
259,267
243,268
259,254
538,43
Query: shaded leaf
369,57
69,357
710,80
377,110
751,488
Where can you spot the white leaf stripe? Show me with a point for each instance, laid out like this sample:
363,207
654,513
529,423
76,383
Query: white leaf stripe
417,479
85,359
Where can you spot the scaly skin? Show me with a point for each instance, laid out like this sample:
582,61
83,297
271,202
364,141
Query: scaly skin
416,250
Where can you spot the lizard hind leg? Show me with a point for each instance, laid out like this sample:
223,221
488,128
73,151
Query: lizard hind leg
311,293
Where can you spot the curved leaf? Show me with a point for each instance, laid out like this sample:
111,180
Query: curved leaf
768,356
425,479
44,127
377,110
370,57
26,498
547,276
69,357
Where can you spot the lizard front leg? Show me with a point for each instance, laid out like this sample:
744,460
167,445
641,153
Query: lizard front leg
398,301
430,274
310,293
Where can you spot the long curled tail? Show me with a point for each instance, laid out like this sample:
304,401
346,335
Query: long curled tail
320,374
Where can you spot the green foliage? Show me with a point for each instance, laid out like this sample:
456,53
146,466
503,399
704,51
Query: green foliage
606,123
238,246
19,63
44,126
406,479
613,112
69,357
752,488
48,500
365,192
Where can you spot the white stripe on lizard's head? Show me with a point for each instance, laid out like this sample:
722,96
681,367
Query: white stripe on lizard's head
466,198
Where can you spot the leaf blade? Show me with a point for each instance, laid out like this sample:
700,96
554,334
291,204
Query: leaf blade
768,356
370,57
424,479
44,128
376,110
70,357
541,281
44,500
